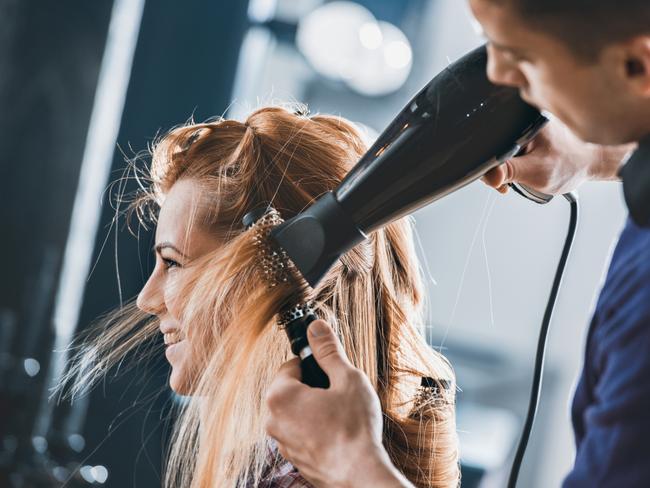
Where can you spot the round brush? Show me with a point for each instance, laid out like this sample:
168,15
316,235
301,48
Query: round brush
277,269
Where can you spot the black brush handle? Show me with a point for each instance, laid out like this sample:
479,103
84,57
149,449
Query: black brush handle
312,373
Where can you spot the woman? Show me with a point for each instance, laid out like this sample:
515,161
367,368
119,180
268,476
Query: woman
217,313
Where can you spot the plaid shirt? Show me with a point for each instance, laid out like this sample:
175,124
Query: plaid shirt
284,475
280,473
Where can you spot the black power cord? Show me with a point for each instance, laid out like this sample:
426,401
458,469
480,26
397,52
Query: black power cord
536,387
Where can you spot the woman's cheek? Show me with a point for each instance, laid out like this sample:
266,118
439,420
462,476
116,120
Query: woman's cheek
198,351
172,292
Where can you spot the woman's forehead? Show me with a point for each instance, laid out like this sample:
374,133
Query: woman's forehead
179,222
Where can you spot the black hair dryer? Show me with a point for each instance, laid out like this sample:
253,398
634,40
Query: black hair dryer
458,127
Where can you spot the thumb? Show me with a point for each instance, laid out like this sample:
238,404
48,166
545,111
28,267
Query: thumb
326,348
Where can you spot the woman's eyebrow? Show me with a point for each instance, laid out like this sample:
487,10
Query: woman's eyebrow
167,245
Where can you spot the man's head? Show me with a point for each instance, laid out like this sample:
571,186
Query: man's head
586,61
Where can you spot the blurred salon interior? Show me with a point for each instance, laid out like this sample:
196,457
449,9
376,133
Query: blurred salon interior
87,85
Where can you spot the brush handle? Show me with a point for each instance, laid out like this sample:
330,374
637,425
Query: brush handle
312,374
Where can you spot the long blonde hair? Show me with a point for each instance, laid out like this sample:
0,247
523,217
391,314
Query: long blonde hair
372,297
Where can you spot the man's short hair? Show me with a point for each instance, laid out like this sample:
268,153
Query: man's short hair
586,26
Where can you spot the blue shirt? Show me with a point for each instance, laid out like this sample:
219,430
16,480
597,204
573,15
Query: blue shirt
611,408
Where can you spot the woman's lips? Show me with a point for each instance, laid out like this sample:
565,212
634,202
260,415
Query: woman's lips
173,340
173,337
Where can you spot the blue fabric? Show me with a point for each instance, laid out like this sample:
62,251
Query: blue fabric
611,408
636,183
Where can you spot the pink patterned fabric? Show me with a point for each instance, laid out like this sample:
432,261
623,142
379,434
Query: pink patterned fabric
284,475
280,473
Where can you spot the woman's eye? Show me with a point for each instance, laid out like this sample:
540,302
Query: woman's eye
170,263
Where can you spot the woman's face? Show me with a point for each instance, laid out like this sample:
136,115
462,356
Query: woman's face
180,239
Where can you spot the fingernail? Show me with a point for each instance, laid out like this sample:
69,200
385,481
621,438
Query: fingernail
318,328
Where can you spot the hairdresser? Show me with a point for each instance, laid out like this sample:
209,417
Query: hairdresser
588,63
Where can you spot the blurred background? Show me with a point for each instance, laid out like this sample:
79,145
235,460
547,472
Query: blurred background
82,84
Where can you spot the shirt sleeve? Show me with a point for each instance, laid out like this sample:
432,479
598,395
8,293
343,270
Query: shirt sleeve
615,451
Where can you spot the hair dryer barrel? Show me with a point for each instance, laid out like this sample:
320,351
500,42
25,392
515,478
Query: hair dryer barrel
457,128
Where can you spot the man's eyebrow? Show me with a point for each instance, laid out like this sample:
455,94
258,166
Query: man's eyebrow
502,47
167,245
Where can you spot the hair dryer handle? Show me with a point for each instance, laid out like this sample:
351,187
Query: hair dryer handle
530,194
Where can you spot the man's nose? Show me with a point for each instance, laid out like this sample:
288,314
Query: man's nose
503,72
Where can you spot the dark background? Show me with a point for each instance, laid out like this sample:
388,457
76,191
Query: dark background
50,56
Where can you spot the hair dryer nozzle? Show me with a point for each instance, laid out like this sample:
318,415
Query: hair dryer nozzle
317,237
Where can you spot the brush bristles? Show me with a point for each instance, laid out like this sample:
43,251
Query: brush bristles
295,313
277,268
274,262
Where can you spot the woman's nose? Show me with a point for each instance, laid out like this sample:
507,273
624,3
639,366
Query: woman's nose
151,298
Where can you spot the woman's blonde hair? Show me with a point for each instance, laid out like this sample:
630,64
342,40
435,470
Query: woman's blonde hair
372,297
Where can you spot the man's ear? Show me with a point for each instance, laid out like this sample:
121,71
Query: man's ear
637,64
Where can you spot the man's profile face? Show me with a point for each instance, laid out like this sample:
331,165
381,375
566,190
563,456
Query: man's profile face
591,98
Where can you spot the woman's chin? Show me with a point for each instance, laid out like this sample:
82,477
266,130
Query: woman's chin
177,382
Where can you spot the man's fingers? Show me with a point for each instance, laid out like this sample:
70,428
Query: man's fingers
501,176
271,428
277,430
495,177
286,383
510,173
290,370
285,386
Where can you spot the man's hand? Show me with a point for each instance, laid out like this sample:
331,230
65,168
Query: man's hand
557,162
333,436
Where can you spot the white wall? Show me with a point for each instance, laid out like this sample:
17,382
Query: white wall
519,242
